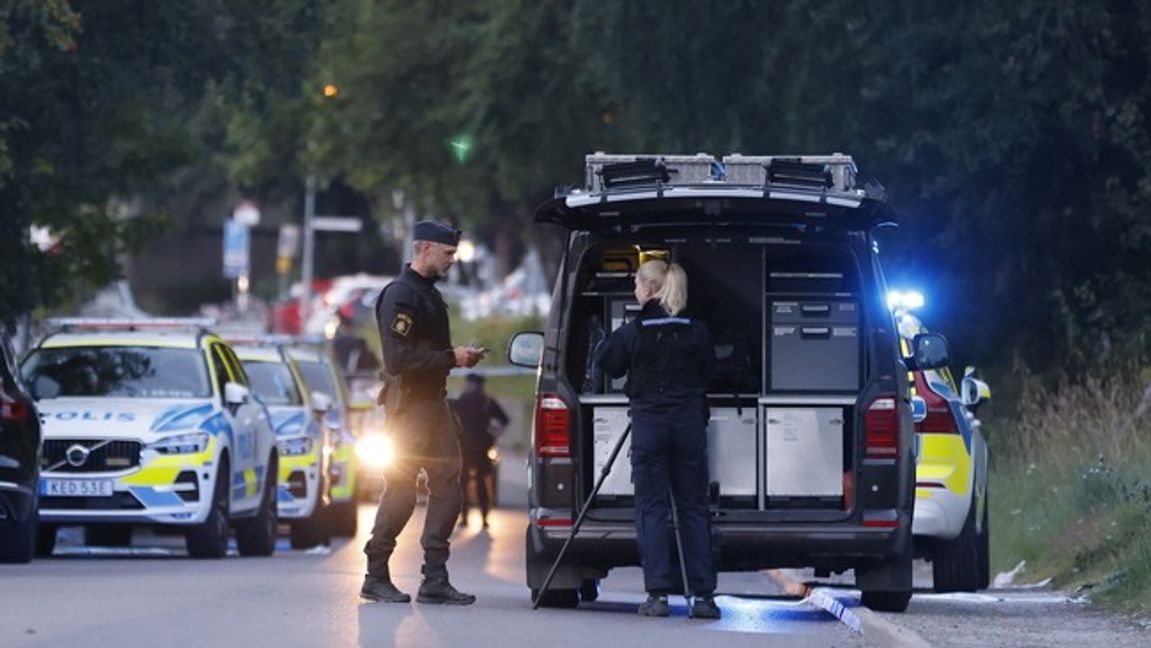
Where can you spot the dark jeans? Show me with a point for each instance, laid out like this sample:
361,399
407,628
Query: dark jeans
424,436
669,445
476,466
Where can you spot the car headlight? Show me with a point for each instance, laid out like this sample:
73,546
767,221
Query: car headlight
375,451
294,446
182,443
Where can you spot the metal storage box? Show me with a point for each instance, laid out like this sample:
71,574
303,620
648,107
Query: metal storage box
608,423
685,169
804,451
731,455
752,169
732,449
814,345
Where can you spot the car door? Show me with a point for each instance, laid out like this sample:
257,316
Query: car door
258,425
243,482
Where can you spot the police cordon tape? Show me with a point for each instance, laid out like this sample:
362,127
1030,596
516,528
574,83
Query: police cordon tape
877,630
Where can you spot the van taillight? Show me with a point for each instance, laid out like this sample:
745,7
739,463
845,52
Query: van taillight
881,427
939,419
553,427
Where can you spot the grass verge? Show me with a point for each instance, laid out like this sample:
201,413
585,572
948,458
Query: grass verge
1071,489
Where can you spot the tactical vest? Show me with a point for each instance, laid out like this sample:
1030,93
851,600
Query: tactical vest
666,358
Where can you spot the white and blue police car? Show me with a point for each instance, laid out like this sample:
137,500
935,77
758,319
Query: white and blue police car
152,422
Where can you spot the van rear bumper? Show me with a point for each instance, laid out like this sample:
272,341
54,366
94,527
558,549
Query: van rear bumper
740,547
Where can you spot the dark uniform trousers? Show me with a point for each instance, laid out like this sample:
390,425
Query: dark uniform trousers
425,435
669,442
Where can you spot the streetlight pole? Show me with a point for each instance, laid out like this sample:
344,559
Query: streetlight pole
306,269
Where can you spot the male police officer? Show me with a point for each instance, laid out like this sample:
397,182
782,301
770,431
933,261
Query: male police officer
418,355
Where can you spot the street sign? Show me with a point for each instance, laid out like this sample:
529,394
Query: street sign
246,213
288,244
235,249
337,223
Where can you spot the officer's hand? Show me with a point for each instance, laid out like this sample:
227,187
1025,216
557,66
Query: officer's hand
467,356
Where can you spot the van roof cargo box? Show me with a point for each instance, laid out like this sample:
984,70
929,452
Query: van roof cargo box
834,172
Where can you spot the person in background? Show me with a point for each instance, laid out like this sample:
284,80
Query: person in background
478,412
668,359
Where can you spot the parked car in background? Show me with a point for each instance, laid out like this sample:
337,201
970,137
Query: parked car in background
303,494
151,421
321,377
951,525
19,461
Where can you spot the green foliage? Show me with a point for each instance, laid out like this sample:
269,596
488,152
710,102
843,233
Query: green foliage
1014,138
1069,487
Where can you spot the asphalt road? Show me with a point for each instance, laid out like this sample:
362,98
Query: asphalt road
152,595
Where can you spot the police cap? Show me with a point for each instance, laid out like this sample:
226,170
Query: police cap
436,232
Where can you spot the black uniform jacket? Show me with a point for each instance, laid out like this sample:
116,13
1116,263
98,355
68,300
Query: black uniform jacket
414,333
663,356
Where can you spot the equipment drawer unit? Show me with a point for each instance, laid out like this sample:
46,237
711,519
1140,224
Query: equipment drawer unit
608,423
813,311
732,449
803,452
732,452
814,344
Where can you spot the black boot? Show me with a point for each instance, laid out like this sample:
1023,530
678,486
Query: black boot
704,607
655,606
438,591
380,588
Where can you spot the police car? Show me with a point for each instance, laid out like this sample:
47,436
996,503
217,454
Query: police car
301,437
321,377
151,422
951,526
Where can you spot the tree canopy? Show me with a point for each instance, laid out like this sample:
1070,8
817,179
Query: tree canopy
1012,138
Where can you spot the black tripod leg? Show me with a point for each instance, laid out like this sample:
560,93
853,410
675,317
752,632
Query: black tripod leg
583,512
679,545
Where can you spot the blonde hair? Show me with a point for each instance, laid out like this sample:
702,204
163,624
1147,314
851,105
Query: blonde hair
669,281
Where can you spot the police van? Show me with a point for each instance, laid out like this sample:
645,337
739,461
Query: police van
151,422
811,434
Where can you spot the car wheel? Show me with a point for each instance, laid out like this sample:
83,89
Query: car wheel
983,546
343,519
45,539
557,598
18,541
312,530
108,535
209,539
954,565
884,601
257,536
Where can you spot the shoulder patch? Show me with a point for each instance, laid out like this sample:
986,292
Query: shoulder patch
402,324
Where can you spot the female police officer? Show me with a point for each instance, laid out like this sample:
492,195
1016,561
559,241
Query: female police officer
667,358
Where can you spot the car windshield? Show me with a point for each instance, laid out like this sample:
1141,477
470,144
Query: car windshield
273,383
318,378
117,371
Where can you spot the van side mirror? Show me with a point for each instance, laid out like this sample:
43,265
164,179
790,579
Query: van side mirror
929,351
526,349
236,394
